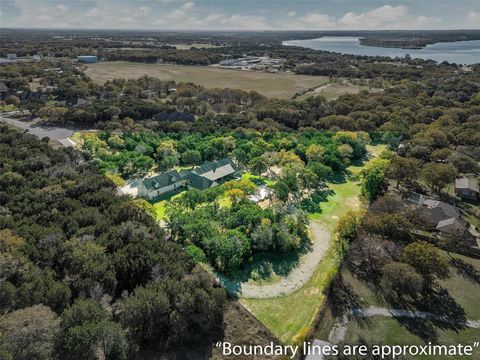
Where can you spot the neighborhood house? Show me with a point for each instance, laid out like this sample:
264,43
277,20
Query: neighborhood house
203,177
467,188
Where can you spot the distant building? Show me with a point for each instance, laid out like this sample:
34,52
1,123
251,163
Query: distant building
174,116
87,59
31,96
401,150
12,57
74,102
467,188
3,87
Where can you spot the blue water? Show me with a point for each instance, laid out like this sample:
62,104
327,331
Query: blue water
460,52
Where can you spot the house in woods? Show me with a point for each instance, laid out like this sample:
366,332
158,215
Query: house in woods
401,150
174,116
214,172
467,188
451,226
74,102
209,174
439,216
32,96
161,184
3,87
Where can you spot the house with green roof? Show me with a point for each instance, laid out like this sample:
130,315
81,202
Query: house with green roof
161,184
208,175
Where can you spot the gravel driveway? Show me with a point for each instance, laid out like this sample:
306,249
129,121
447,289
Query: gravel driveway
295,279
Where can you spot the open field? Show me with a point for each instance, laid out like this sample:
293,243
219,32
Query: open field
276,313
333,91
280,85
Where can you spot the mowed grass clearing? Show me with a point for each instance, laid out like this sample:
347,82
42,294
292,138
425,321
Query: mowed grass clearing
290,317
281,85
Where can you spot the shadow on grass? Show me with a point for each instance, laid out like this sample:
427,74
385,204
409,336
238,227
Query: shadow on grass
466,270
264,267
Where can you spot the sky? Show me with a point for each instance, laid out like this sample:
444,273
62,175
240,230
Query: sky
242,14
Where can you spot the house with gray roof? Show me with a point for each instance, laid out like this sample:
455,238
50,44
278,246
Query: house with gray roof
161,184
217,171
451,226
467,188
209,174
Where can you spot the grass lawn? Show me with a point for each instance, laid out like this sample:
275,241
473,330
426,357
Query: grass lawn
385,330
290,317
161,206
256,178
7,108
280,85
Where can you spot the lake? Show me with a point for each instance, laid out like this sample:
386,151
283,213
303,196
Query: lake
460,52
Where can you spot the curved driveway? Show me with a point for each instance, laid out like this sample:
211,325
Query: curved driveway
295,279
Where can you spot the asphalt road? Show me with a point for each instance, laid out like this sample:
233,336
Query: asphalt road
60,134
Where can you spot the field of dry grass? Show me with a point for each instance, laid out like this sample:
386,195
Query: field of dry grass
280,85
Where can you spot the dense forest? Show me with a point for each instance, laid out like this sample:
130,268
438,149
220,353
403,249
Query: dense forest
90,272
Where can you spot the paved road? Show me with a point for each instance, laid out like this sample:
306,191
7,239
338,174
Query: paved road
60,134
295,279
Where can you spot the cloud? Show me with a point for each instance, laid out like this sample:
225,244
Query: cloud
188,5
473,19
386,17
184,14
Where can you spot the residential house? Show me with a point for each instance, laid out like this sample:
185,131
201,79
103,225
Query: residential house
203,177
217,171
74,102
161,184
3,87
174,116
467,188
439,215
452,226
32,96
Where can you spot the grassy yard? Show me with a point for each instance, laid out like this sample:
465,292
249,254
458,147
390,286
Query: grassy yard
280,85
379,329
161,206
290,317
384,330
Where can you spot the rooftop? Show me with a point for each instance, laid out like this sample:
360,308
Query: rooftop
467,183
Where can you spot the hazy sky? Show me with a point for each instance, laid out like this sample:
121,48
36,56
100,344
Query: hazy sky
242,14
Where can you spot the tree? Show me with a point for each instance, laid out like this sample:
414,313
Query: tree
12,100
372,177
314,153
426,259
30,333
438,175
146,314
400,279
258,165
346,229
191,157
87,329
404,170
